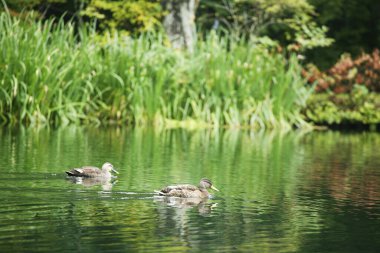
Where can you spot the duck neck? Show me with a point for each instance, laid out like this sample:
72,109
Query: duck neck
106,173
204,192
203,189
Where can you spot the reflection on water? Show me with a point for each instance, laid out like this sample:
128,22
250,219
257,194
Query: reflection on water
201,204
106,183
280,192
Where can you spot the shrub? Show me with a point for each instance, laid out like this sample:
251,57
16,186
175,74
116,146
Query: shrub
346,73
357,107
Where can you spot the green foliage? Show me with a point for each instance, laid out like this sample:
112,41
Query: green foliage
125,15
288,21
353,24
18,5
346,73
359,107
28,5
309,26
49,77
306,34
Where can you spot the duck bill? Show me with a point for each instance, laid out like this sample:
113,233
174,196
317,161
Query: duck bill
115,171
214,188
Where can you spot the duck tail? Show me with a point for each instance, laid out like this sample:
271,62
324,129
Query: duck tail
70,173
160,193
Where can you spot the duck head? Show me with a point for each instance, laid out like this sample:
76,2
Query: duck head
109,167
206,183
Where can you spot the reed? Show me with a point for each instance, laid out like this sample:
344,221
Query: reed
52,74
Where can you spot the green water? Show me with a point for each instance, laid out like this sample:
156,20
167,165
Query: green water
280,192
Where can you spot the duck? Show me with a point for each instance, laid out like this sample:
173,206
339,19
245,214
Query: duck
93,172
187,190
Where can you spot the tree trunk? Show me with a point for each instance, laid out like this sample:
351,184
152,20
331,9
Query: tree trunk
180,23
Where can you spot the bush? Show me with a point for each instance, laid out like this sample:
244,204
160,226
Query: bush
346,73
357,107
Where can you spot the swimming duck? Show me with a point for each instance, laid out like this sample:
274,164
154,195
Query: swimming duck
90,171
188,191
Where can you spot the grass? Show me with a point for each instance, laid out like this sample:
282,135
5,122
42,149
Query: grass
52,74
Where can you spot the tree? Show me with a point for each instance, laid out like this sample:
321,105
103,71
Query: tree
353,24
127,16
179,23
291,22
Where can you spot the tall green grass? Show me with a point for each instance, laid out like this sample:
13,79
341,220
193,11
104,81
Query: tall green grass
52,74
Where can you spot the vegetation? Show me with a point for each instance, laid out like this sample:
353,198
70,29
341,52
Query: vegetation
124,16
107,62
357,108
53,76
347,93
353,24
128,16
288,21
346,73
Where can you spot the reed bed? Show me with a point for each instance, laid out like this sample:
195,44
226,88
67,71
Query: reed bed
54,74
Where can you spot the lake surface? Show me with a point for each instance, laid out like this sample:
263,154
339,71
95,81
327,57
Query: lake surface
279,192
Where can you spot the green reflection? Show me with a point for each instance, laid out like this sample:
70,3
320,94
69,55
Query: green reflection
280,191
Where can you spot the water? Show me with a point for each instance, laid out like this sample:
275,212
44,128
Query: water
280,192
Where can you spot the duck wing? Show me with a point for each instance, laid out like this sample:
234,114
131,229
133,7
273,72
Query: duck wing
181,190
86,171
179,187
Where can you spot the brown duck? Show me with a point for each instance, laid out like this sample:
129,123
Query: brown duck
188,191
90,171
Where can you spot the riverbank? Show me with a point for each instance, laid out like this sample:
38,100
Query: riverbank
54,75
